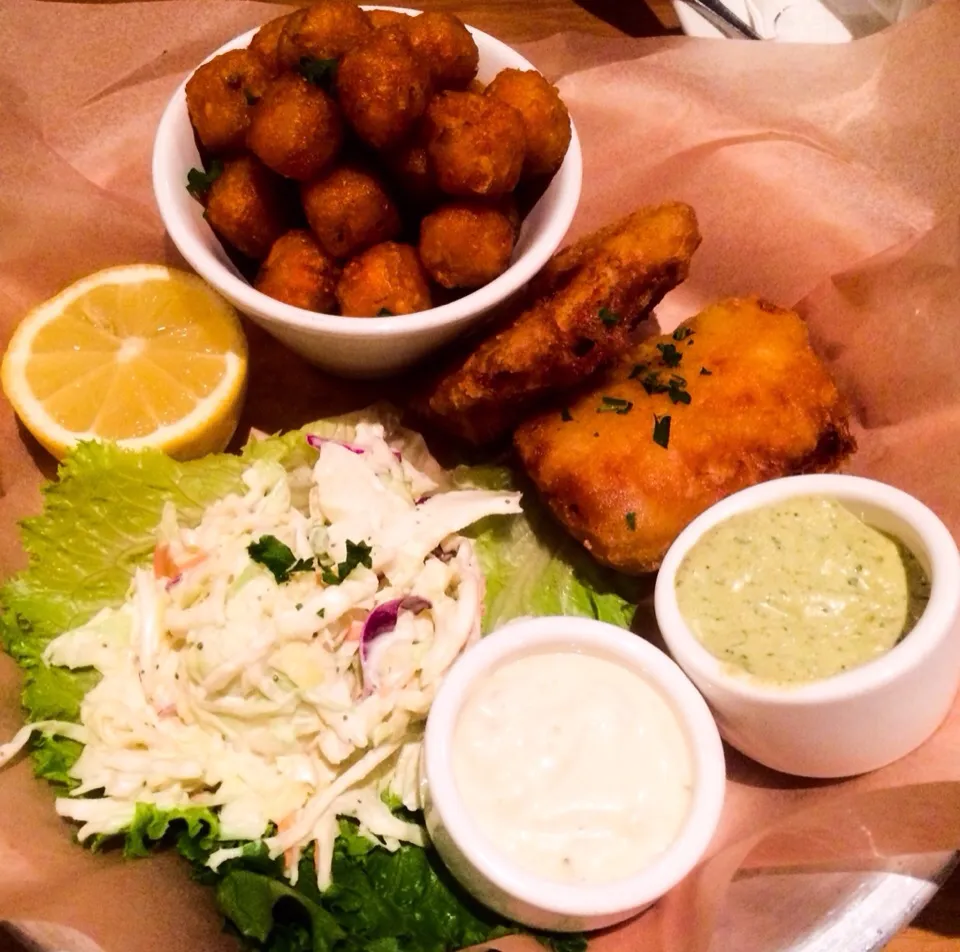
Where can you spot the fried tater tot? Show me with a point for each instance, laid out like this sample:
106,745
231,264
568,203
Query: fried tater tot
298,271
221,95
446,46
580,326
323,31
758,405
349,210
296,128
466,244
475,143
387,18
546,121
266,40
248,206
385,280
383,88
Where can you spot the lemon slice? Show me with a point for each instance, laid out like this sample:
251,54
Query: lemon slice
142,355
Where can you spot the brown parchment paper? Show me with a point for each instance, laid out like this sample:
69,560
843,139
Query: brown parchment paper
824,176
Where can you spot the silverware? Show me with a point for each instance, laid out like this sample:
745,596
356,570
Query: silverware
727,22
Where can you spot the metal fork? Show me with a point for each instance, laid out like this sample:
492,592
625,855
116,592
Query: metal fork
724,19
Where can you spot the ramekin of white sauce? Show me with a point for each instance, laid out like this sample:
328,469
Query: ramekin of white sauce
842,656
572,774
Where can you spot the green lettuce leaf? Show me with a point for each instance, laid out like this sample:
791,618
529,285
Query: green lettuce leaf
98,524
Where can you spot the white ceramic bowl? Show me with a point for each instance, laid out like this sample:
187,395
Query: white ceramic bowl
494,879
355,347
863,718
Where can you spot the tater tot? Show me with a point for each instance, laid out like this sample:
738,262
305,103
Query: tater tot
248,206
475,143
296,128
386,279
299,272
349,210
266,40
546,121
221,95
446,46
383,88
323,31
466,244
386,18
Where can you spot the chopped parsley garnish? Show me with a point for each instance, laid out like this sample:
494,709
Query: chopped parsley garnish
199,181
320,72
631,518
677,390
705,373
358,553
682,333
610,318
651,383
661,430
321,612
637,370
277,557
385,312
566,415
614,405
670,355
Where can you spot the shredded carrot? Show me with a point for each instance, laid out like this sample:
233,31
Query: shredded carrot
163,564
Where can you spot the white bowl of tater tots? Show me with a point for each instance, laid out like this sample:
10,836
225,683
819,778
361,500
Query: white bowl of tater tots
366,183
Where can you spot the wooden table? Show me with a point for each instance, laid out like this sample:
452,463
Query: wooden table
937,928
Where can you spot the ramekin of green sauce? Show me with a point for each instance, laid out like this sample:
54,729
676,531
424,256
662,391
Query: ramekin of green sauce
820,617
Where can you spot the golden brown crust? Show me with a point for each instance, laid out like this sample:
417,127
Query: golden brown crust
475,144
385,280
564,337
296,128
298,271
446,46
248,207
221,95
266,41
466,244
350,210
381,19
383,88
325,30
546,121
766,408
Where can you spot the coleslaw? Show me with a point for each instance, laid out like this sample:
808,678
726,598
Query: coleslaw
277,660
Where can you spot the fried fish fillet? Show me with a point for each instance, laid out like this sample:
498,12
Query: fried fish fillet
735,396
590,297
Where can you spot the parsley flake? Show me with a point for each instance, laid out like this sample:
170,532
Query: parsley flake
631,519
385,312
199,181
609,318
358,553
670,355
637,370
661,430
321,612
676,390
277,557
320,72
614,405
651,383
705,373
566,415
682,333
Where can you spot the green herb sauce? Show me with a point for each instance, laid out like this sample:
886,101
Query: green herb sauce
800,590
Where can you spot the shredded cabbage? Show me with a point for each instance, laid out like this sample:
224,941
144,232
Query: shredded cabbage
231,684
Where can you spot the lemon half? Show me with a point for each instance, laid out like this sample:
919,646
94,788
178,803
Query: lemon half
142,355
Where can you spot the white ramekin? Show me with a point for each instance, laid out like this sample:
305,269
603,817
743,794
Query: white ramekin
863,718
350,346
491,876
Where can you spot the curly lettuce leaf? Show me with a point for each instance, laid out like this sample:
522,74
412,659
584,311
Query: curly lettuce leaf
98,524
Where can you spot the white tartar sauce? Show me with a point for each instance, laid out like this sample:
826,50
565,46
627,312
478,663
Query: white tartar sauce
572,766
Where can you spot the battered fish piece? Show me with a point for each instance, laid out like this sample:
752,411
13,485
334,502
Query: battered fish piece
735,396
582,322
